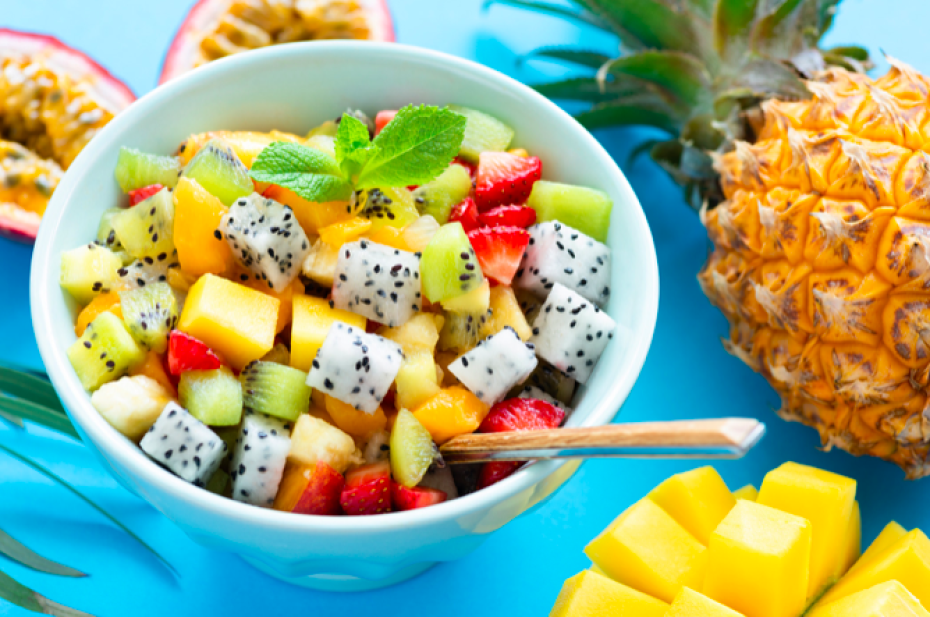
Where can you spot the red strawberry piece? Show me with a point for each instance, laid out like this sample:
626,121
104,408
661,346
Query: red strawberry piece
508,216
499,250
465,213
472,169
505,178
382,119
321,495
185,353
367,490
137,195
522,414
405,498
492,473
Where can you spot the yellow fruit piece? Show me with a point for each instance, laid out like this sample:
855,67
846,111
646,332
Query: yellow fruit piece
823,498
312,216
690,603
246,144
320,263
389,236
101,303
179,280
339,233
648,550
235,321
889,599
697,499
443,360
284,297
314,440
505,311
907,560
475,301
589,594
748,492
452,411
420,333
131,404
154,369
417,380
888,537
519,152
197,216
852,541
312,318
758,561
354,422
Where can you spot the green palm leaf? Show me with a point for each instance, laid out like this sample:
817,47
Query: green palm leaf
19,595
26,410
23,555
29,386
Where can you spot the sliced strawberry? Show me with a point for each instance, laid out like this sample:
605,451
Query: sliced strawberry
522,414
137,195
367,490
405,498
322,491
471,167
492,473
505,178
508,216
465,213
499,250
185,353
383,118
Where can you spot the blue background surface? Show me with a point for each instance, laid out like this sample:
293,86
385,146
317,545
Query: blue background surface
520,569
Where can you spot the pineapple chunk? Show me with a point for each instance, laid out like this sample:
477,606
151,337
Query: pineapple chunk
852,541
889,536
314,440
320,263
505,311
420,333
697,499
131,404
690,603
889,599
826,500
417,381
311,320
648,550
748,492
589,593
237,322
758,561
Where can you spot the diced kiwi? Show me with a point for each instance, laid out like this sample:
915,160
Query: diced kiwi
135,169
462,331
89,270
275,390
328,129
150,313
390,207
436,198
214,397
483,133
218,482
105,352
412,449
449,267
217,168
106,235
279,354
587,210
147,229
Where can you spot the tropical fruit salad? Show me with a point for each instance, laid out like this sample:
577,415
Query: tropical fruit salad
691,548
299,322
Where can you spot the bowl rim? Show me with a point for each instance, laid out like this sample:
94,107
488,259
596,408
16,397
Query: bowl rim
127,455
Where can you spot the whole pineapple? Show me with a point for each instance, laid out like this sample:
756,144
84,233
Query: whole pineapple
815,190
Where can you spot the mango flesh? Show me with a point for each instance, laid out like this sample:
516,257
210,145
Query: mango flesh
197,216
310,321
889,599
588,593
697,499
758,561
690,603
889,536
853,539
748,492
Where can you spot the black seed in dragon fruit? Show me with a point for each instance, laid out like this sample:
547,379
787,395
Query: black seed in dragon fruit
495,365
258,462
570,332
378,282
354,367
184,444
266,239
558,253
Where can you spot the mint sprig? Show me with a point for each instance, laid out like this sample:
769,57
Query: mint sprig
312,174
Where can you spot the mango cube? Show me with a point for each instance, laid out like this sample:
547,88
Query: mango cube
748,492
237,322
853,539
826,500
758,561
589,593
197,216
889,536
311,320
690,603
697,499
889,599
646,549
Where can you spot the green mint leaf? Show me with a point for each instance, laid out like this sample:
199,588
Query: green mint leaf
353,145
414,148
312,174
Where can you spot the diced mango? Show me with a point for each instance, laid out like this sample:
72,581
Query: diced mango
153,368
237,322
354,422
823,498
284,296
101,303
505,311
246,144
452,411
588,594
758,561
312,318
748,492
889,599
690,603
311,216
648,550
389,236
348,230
315,440
887,538
420,333
853,540
698,499
416,381
197,216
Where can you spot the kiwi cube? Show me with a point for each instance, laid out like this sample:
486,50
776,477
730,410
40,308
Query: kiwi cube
483,133
89,270
135,169
106,235
449,267
150,313
105,352
214,397
437,198
147,229
217,168
587,210
412,449
275,390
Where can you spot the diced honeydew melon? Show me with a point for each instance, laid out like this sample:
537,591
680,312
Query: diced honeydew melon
483,133
585,209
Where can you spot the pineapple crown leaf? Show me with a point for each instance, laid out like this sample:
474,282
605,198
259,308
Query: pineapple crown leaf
581,57
682,77
554,10
595,90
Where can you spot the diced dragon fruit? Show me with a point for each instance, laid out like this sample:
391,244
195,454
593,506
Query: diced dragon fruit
378,282
258,462
558,253
184,444
495,365
355,367
570,332
540,395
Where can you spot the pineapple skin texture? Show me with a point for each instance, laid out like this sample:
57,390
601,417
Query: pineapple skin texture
821,261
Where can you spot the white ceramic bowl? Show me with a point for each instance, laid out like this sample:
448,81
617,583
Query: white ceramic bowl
293,88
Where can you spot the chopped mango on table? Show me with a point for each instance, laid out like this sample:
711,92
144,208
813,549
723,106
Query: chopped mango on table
748,492
588,594
889,599
852,541
310,322
889,536
697,499
690,603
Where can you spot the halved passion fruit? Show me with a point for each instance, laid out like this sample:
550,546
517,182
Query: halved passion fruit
215,29
53,100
